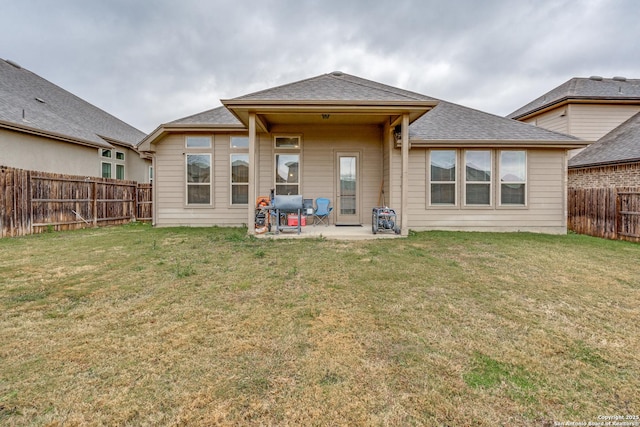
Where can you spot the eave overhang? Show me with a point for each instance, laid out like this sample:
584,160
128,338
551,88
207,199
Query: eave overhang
480,143
52,135
270,112
146,145
575,100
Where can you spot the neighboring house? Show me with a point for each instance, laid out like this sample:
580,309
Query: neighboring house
45,128
612,161
587,108
360,143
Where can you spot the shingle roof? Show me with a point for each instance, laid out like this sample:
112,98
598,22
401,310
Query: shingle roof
621,145
446,121
29,101
449,121
617,88
335,86
216,116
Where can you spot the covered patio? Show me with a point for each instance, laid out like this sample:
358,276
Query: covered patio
330,232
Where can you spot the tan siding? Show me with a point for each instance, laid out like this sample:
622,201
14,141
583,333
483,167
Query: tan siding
24,151
319,148
593,121
555,120
544,213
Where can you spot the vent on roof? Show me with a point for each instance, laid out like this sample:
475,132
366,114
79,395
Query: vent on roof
620,79
15,64
596,78
337,73
40,100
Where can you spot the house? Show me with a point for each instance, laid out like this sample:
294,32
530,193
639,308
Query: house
45,128
612,161
587,108
362,144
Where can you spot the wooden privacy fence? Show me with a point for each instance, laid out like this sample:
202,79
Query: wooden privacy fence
611,213
32,202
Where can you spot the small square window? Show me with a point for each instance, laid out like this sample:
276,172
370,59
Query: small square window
119,155
106,153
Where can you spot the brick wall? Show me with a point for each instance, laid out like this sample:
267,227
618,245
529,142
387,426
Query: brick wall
625,175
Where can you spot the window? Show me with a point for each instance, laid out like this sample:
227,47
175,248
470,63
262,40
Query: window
198,142
288,142
513,177
119,171
150,173
198,179
477,177
241,142
106,170
287,165
443,177
239,179
119,155
106,153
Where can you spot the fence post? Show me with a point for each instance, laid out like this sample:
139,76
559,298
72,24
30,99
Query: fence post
94,203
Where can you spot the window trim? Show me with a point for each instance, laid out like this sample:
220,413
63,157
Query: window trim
455,203
197,147
287,151
118,166
489,183
232,184
110,170
525,182
187,183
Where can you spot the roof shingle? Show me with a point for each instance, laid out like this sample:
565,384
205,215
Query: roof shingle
617,88
621,145
29,101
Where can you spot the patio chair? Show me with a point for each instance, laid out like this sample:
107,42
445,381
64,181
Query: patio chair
322,211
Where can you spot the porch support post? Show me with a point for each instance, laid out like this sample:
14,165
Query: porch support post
404,214
251,209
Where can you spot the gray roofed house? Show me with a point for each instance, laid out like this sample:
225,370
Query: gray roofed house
587,108
45,128
360,143
612,161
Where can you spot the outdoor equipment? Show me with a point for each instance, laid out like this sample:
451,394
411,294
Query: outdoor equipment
384,219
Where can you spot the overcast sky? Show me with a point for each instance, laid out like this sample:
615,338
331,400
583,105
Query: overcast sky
151,62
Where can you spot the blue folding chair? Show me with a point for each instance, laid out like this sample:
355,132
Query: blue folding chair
322,211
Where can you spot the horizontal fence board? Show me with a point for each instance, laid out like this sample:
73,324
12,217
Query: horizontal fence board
32,202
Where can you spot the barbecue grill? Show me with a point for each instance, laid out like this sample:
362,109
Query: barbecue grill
283,205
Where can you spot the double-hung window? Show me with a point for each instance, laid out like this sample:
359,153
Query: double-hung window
287,164
239,170
442,170
198,170
513,177
477,177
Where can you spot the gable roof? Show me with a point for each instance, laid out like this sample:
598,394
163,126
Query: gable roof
621,145
581,88
32,104
335,86
435,121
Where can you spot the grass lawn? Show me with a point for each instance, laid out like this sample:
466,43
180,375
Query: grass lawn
140,326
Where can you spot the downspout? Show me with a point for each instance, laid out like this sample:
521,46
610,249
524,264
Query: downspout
404,214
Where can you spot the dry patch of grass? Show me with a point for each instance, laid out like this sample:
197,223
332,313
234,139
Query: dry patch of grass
134,325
